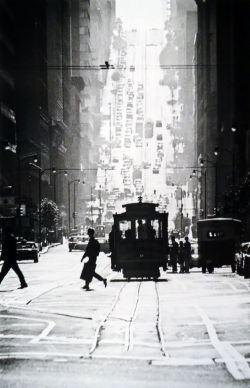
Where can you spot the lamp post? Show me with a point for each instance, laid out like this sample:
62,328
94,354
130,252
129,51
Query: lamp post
74,203
193,175
55,170
179,187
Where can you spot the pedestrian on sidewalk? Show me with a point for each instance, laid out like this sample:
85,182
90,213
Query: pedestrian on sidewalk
174,254
187,254
9,255
92,252
181,257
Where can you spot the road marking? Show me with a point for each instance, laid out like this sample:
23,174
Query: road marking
12,336
236,364
43,334
25,324
183,362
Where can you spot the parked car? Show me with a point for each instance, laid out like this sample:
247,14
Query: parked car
27,250
240,257
78,243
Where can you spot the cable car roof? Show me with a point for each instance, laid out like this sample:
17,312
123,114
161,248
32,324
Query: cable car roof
141,210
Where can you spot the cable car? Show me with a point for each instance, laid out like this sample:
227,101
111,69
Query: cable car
140,240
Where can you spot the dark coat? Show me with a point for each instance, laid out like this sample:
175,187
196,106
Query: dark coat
92,251
9,250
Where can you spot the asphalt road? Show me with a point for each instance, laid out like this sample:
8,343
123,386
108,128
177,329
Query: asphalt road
186,330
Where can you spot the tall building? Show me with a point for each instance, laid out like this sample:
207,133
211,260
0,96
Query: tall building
8,123
223,117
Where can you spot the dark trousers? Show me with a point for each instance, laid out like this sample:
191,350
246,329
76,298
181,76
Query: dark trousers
7,266
174,263
98,277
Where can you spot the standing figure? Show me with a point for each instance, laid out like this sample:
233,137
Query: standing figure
9,255
151,232
92,251
181,257
142,231
187,254
174,254
112,246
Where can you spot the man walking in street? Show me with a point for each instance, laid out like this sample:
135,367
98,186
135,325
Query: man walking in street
187,254
9,255
92,251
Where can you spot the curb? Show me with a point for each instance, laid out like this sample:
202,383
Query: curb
45,250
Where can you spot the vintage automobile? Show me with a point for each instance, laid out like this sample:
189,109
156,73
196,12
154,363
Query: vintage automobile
217,242
27,250
78,243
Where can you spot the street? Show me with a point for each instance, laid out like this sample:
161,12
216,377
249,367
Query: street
184,330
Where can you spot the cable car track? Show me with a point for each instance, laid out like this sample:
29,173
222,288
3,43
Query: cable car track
102,323
158,325
129,333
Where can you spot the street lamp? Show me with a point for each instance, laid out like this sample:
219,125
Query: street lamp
181,208
193,175
54,171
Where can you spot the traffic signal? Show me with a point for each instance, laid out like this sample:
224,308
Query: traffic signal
21,210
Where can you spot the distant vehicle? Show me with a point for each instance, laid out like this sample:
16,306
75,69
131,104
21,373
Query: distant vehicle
241,254
158,124
27,250
155,170
159,137
78,243
139,128
149,126
217,242
146,165
159,146
110,206
137,174
115,160
132,68
138,142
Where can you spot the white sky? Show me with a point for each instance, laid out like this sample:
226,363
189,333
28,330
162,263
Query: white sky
141,14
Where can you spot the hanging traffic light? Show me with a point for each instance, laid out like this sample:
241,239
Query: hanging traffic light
21,210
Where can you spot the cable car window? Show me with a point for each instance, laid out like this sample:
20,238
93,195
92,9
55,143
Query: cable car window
154,229
124,226
215,234
141,229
